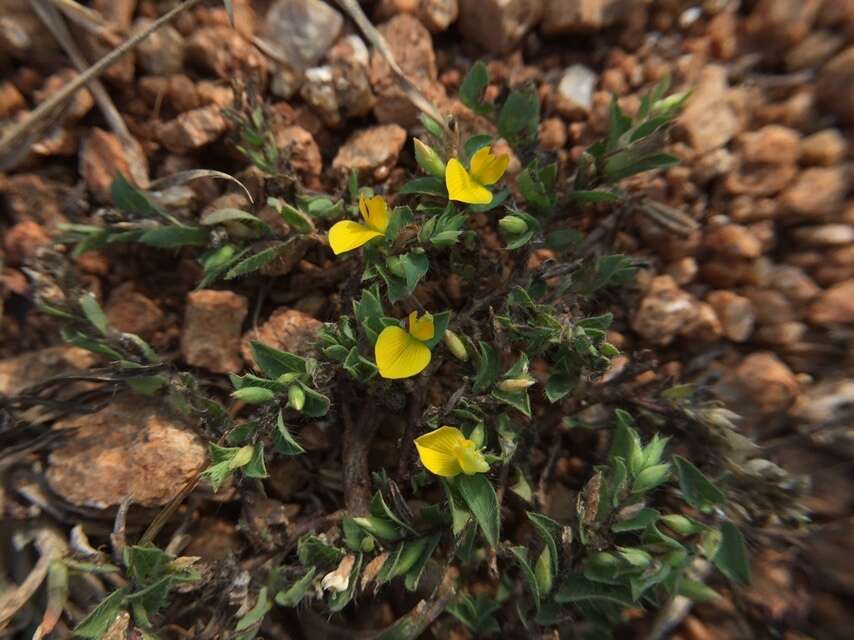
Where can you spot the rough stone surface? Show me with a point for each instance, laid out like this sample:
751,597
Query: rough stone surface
193,129
371,152
162,52
834,85
735,313
27,369
412,47
834,306
824,402
222,51
664,311
773,144
134,447
287,330
78,106
817,192
573,16
823,148
211,334
22,240
733,240
102,157
498,25
708,119
11,100
303,151
575,89
767,382
337,91
131,312
303,30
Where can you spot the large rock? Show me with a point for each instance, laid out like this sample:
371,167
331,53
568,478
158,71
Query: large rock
286,330
302,30
301,149
834,86
412,48
371,152
709,119
498,25
572,16
133,447
735,313
25,370
338,91
772,144
132,312
212,325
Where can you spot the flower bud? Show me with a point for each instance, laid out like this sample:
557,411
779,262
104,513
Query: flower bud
253,395
287,378
515,384
296,397
242,457
513,225
455,345
429,160
393,264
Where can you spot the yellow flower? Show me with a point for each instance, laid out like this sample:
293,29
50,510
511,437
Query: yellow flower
348,235
470,187
447,452
403,354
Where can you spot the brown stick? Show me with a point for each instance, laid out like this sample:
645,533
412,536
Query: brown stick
358,435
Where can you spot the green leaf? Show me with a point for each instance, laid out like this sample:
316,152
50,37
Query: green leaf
473,144
697,591
519,115
479,495
93,312
296,218
314,552
618,124
256,614
127,197
638,522
650,478
625,164
256,468
257,260
577,589
473,86
174,237
487,367
731,558
544,571
294,594
440,325
275,363
432,127
283,441
145,563
426,185
697,489
413,575
521,556
97,621
316,404
549,531
560,384
533,190
415,266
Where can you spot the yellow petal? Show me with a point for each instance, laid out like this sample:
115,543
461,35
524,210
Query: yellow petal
348,235
471,460
377,217
437,451
486,167
421,328
461,187
399,355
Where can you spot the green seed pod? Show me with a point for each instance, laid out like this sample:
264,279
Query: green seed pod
543,572
455,345
513,225
428,159
368,543
253,395
242,457
409,556
515,384
680,524
607,349
379,527
296,397
287,378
